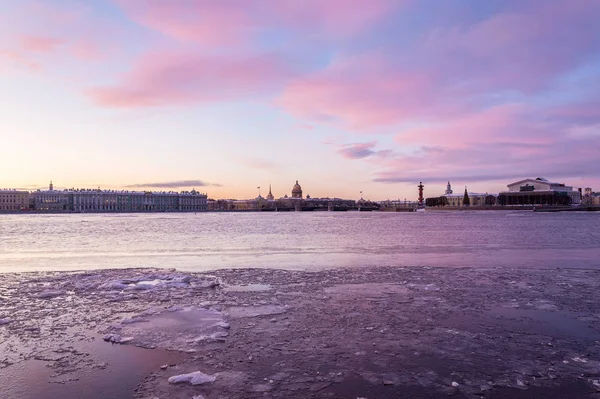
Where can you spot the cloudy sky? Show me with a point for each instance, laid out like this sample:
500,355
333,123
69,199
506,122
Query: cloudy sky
343,95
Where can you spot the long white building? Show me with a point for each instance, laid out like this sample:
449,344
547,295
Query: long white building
96,200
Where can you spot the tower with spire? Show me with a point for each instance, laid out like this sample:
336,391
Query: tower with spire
270,196
448,188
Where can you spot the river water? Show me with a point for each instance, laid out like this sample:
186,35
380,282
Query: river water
299,240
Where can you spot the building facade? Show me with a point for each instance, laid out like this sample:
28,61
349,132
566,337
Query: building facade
13,200
96,200
457,200
475,199
50,200
137,201
286,203
539,191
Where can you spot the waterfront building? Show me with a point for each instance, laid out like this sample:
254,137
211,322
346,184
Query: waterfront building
137,201
50,200
457,200
539,191
475,199
588,198
13,200
286,203
96,200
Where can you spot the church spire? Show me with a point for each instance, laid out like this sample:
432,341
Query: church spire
448,189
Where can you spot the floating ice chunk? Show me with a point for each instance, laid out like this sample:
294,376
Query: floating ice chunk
224,325
198,397
145,285
455,384
183,281
148,283
208,283
108,337
50,294
218,336
173,328
4,321
117,339
195,378
114,285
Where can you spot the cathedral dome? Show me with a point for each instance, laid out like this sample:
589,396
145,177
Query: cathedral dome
297,191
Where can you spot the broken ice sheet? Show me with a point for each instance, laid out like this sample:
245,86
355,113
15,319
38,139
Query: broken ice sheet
175,328
195,378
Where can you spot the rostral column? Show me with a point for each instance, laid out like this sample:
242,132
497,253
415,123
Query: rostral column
421,186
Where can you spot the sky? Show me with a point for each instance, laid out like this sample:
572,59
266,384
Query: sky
345,96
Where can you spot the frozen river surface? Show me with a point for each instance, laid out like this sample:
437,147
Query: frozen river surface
309,241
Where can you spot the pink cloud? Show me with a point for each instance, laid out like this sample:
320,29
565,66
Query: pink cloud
172,78
501,123
361,93
335,17
450,71
53,35
9,59
40,44
209,22
232,21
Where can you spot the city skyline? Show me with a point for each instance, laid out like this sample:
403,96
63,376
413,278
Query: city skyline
352,96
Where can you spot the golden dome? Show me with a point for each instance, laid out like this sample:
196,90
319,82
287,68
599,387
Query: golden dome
297,191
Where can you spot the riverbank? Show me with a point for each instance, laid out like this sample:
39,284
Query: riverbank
344,333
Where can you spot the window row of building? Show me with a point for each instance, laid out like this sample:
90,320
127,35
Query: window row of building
102,201
13,200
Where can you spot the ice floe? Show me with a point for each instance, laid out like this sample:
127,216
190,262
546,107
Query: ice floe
236,312
195,378
48,294
177,328
117,339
